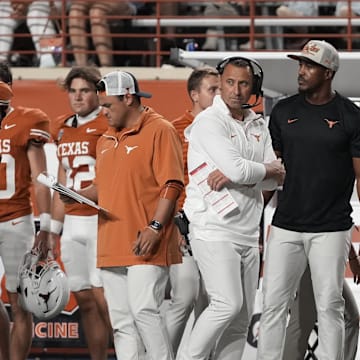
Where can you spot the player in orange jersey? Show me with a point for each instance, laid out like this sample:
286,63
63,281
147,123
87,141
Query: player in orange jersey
76,135
202,86
22,136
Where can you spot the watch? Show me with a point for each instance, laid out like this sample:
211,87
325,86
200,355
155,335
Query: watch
156,225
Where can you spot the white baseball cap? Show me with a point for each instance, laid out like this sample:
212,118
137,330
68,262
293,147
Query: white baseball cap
120,83
319,52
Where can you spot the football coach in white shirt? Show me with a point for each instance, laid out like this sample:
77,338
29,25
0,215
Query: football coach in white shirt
232,140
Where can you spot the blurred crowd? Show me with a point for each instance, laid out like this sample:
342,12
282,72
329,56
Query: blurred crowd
36,33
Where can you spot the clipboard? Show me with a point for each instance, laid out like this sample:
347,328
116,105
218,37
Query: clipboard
51,182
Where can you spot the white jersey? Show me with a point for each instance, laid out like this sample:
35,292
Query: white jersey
238,149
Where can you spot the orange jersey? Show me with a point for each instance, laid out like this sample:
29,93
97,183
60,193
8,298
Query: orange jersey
76,151
132,167
19,127
180,124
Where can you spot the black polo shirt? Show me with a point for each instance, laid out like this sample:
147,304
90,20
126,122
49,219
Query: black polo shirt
317,143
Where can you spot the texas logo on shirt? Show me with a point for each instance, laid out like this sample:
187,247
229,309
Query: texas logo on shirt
331,123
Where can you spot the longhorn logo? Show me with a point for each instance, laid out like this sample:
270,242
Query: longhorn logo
331,123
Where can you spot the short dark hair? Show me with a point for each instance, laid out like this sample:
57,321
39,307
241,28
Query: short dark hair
196,77
253,65
5,73
236,61
91,74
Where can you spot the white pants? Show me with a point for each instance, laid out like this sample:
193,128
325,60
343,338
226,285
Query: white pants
134,295
286,259
78,251
303,318
36,20
16,238
230,274
185,281
355,7
306,8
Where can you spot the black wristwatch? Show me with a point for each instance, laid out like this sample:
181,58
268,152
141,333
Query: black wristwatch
156,225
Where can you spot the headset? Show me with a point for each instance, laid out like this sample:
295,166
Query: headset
258,76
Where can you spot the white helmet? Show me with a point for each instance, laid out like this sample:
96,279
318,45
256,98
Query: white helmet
43,287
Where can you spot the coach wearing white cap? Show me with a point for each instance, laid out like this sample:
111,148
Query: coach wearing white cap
139,176
317,134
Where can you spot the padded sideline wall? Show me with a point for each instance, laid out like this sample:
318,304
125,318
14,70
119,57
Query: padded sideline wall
169,96
39,88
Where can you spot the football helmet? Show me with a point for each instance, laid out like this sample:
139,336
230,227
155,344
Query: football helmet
42,286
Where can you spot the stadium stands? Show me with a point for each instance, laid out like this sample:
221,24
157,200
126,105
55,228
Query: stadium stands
143,39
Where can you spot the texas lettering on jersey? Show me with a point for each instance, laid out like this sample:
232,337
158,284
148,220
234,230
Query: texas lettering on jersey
73,148
5,146
76,151
18,128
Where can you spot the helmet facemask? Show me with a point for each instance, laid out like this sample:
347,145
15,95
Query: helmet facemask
42,286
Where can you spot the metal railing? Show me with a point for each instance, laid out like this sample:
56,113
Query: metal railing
145,39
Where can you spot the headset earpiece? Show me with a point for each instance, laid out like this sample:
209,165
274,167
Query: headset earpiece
256,69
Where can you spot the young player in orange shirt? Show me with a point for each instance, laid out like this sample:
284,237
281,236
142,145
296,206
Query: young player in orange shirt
76,136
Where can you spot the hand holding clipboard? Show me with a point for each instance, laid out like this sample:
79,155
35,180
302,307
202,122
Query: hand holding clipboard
51,182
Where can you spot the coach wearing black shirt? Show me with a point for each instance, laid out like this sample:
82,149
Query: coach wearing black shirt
317,134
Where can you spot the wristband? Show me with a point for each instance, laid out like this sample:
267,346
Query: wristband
45,222
56,226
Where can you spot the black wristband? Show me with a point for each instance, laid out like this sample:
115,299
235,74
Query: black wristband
156,225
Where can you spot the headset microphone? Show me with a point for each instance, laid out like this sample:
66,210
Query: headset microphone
255,103
249,106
